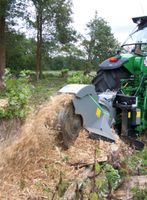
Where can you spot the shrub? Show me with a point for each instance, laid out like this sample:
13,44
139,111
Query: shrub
112,176
105,184
64,73
17,92
79,77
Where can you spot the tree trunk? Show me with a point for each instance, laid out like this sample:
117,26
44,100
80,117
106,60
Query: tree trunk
39,46
2,50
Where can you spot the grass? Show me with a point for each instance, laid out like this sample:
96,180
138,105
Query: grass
44,88
51,82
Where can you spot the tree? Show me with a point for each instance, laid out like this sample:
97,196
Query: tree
52,17
8,10
101,43
20,51
4,7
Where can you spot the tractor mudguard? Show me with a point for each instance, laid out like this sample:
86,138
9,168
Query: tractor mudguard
108,64
97,114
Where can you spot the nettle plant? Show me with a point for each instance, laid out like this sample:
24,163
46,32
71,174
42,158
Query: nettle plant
17,92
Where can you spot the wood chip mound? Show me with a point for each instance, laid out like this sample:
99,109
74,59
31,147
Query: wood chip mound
33,161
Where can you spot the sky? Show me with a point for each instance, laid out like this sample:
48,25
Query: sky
118,14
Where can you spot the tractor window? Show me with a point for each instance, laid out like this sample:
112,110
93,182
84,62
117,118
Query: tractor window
137,43
144,49
142,36
138,37
139,49
128,48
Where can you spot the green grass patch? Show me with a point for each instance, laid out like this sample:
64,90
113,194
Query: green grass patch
51,82
44,88
136,164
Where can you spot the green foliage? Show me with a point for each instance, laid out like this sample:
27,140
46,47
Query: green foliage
54,18
143,155
5,6
52,23
20,52
44,88
94,196
47,190
106,182
62,187
100,184
43,187
112,176
59,38
64,72
97,168
61,62
17,92
10,11
79,77
101,43
137,162
64,32
66,158
139,193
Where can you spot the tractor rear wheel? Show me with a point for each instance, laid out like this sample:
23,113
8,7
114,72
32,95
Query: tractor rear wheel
110,79
71,124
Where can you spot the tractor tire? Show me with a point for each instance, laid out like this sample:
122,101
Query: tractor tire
70,124
110,79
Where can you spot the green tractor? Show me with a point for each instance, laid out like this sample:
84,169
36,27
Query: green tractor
117,96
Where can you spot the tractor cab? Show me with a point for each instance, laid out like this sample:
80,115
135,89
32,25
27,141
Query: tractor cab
137,41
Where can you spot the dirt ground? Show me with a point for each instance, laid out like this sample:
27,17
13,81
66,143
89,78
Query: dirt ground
33,159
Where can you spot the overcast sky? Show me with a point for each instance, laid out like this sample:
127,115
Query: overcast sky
117,13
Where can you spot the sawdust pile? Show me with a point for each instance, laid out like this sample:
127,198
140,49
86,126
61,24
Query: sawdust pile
32,161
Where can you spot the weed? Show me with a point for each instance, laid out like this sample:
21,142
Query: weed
139,193
112,176
93,196
22,184
136,164
66,158
62,185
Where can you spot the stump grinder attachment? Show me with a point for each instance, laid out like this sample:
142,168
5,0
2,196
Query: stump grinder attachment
95,112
